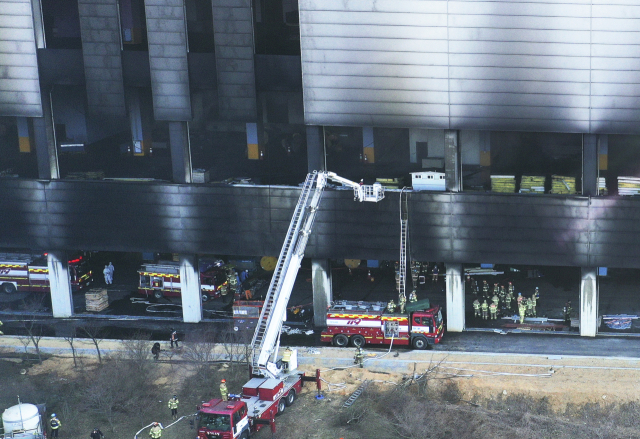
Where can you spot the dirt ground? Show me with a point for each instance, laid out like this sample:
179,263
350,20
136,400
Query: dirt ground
480,377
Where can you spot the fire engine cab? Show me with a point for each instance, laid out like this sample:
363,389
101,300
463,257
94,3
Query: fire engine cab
163,279
358,323
30,273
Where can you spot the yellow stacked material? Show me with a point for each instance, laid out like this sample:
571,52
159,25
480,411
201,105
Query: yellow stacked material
563,185
602,186
391,183
97,299
503,183
94,175
628,186
532,184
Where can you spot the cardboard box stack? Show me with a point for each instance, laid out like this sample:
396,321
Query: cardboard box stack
628,185
532,184
97,299
200,175
503,183
563,185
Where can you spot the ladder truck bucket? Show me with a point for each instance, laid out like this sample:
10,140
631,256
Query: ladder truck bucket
370,192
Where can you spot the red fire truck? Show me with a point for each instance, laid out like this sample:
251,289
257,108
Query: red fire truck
357,323
261,400
30,273
163,279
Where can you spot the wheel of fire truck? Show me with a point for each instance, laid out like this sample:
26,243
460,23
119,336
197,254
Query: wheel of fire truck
282,405
340,340
205,297
291,397
8,288
420,343
157,294
357,341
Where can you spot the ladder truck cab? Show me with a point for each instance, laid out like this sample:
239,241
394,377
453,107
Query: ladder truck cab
275,383
359,323
30,273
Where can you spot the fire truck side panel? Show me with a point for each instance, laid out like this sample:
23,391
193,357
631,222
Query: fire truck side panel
39,279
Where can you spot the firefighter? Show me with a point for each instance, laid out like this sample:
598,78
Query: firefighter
537,293
567,312
503,293
155,350
529,306
474,286
286,358
507,301
522,309
413,297
402,302
493,309
485,310
391,306
520,299
496,289
495,300
476,308
96,434
534,301
358,358
173,405
174,338
55,425
156,431
224,393
434,274
485,288
511,289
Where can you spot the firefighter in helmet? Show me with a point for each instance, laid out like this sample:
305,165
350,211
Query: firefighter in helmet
156,431
413,297
402,302
358,358
173,405
391,306
224,393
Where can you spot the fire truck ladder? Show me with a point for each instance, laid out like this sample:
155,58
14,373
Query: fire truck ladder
266,338
267,335
404,229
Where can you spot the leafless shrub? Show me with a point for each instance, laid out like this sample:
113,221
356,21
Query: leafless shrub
237,347
138,351
96,333
199,351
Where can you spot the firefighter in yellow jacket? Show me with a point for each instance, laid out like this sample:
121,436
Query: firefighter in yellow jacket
156,431
224,393
173,405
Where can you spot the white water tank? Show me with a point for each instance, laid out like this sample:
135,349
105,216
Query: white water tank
21,417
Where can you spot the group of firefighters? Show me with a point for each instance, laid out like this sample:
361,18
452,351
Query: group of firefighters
502,299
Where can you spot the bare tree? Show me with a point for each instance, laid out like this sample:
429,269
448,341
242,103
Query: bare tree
96,333
237,347
137,350
199,350
71,340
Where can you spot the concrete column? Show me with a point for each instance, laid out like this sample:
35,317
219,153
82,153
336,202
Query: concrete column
45,140
452,162
455,298
24,138
180,152
316,158
368,151
190,289
322,290
589,302
60,284
589,165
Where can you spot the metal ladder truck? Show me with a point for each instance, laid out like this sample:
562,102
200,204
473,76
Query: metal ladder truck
275,384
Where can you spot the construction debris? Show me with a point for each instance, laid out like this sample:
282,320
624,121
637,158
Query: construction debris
532,184
628,185
97,299
503,183
563,185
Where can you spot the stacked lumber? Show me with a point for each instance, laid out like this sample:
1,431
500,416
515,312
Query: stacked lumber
503,183
628,185
602,186
561,184
93,175
97,299
532,184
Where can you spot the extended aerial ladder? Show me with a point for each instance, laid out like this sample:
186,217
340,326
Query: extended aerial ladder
401,276
266,338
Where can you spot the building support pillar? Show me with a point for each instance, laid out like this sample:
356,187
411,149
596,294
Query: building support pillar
140,130
180,152
60,284
455,298
322,290
45,141
452,162
590,165
589,302
190,289
316,158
